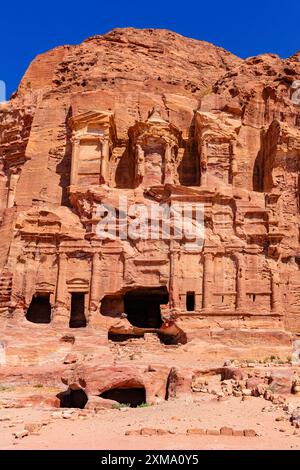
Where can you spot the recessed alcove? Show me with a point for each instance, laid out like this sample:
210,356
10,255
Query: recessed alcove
73,399
142,306
131,396
39,310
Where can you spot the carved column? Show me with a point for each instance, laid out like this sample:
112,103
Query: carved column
175,164
174,300
95,289
29,278
139,165
60,309
203,162
104,177
208,282
75,157
14,176
168,177
18,286
241,296
276,297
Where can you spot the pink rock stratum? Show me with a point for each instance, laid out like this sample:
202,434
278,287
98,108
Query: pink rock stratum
146,121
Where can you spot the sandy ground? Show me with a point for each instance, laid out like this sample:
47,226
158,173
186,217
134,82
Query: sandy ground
106,429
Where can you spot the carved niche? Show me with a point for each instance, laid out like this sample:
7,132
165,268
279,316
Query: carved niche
281,158
216,137
154,146
93,137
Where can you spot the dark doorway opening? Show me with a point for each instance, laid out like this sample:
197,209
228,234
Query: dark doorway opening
39,310
119,338
190,301
77,318
73,399
142,306
132,397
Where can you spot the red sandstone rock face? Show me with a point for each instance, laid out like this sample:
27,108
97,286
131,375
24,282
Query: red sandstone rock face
97,380
158,118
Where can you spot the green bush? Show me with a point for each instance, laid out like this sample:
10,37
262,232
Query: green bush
117,406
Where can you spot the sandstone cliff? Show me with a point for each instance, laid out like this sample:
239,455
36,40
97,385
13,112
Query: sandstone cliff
159,118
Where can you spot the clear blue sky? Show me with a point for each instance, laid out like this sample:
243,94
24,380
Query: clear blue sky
244,28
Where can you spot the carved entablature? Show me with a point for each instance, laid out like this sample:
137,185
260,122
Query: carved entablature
93,137
39,224
43,224
154,146
216,137
77,284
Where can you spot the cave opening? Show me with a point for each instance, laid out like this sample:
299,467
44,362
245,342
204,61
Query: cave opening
73,399
142,306
133,396
77,317
39,310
